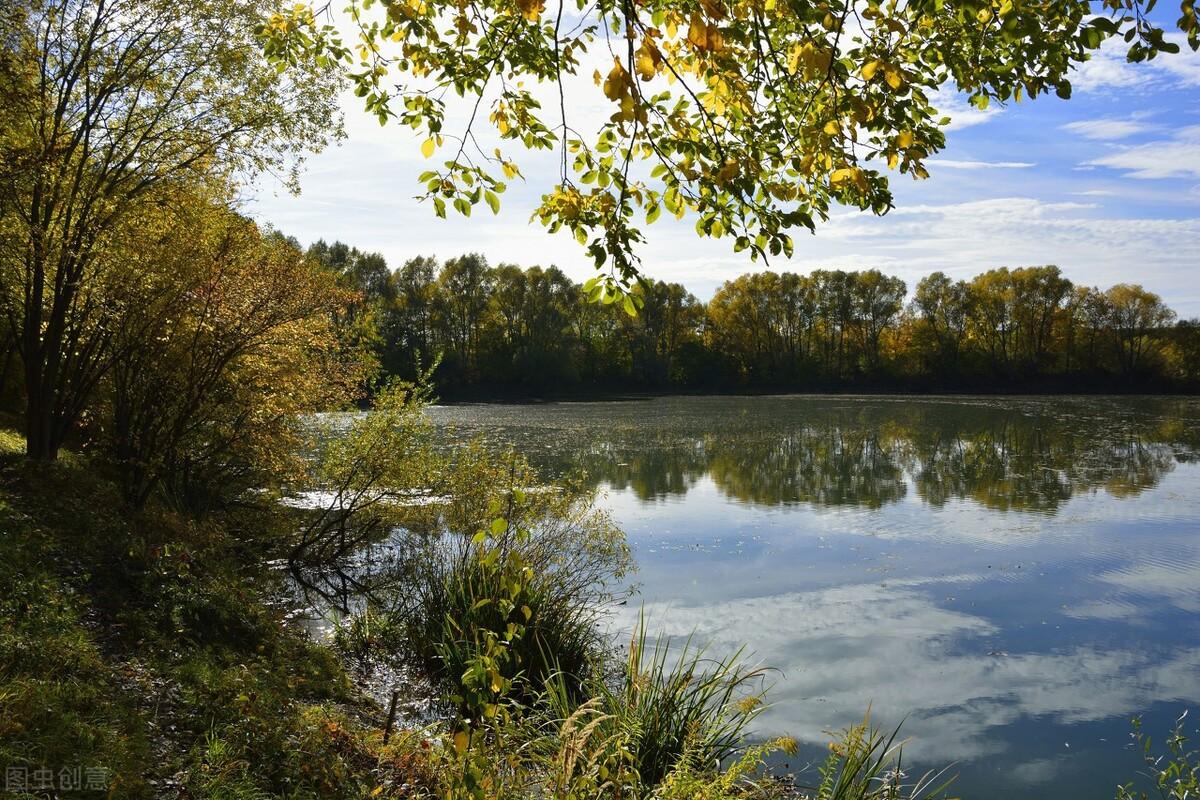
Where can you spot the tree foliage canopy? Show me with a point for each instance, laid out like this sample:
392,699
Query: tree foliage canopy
105,100
505,330
754,117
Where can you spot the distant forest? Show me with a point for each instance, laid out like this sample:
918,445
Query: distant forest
508,331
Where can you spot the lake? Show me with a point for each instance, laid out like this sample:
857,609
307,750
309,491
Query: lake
1014,578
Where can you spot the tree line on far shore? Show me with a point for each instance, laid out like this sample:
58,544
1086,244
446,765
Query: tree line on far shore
513,331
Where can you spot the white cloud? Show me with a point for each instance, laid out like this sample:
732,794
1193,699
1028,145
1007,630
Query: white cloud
1038,771
1183,67
1109,69
962,114
965,238
1171,579
1106,129
950,163
1177,157
999,210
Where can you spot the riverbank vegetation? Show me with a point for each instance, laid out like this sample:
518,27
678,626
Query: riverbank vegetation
508,331
147,654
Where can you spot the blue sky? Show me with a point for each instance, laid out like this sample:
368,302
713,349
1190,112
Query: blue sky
1105,185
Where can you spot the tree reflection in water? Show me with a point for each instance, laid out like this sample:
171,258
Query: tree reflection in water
1004,454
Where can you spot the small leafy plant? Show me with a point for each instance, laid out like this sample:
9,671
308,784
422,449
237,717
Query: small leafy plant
865,763
1175,774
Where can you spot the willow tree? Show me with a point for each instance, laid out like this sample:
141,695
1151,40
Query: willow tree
754,117
104,100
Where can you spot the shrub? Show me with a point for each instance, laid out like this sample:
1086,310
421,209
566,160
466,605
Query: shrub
533,576
364,475
546,629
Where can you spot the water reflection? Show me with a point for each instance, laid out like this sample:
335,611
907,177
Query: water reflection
1015,577
1026,455
896,648
832,465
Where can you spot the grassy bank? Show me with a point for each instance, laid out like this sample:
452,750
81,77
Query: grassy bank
144,653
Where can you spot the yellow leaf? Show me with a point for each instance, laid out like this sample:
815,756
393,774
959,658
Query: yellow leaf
427,147
904,140
714,40
616,85
461,741
894,77
627,111
697,32
848,175
832,128
645,66
531,9
647,60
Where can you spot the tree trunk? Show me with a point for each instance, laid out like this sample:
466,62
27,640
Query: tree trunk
9,352
39,438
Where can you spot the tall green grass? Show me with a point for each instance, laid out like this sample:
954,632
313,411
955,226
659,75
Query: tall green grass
528,586
670,702
560,637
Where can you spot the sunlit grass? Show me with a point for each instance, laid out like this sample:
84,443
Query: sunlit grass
11,442
671,702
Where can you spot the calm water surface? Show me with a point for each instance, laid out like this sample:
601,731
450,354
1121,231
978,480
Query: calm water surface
1015,578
